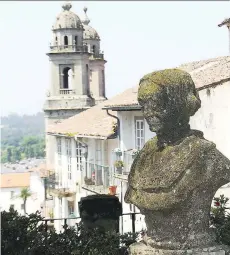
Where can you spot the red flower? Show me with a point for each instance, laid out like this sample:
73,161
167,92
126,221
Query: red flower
217,203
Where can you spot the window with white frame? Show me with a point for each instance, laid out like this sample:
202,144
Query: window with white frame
79,155
60,207
139,133
59,159
69,158
59,150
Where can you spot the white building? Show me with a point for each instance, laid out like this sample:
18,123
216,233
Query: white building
212,80
11,186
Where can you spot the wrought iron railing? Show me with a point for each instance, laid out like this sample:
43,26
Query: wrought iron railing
130,222
97,175
127,158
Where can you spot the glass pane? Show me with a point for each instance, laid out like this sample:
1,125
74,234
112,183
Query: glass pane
142,124
142,133
138,124
138,133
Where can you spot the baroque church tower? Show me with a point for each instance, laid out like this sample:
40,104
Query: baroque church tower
77,70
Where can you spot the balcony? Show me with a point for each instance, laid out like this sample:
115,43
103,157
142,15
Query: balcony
67,91
57,187
97,56
123,161
68,48
97,178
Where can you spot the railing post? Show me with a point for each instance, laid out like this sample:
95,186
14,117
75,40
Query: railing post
46,226
133,222
65,222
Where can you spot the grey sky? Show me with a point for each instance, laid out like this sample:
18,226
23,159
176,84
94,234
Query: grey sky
137,38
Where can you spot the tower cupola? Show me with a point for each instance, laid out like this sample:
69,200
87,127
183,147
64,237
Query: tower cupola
91,37
67,31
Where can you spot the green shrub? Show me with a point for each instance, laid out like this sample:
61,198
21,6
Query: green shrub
220,219
27,235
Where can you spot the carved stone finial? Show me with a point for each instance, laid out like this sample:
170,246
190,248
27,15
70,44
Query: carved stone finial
86,21
174,177
67,6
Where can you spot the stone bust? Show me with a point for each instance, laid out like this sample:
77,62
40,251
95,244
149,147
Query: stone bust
174,177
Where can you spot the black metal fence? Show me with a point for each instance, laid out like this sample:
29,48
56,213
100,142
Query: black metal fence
76,220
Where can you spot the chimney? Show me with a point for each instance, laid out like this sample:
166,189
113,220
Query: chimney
226,23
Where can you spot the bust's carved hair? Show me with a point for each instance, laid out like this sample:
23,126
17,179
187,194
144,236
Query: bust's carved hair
172,88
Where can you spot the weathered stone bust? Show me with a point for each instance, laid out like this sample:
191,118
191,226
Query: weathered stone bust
175,176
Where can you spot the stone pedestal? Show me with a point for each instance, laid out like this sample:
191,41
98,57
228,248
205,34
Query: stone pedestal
142,249
100,211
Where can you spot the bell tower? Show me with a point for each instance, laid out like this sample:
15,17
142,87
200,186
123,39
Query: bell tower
76,69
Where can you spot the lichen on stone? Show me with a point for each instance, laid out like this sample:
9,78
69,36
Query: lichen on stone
175,176
155,81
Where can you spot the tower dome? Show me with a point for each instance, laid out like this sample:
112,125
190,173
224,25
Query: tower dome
89,32
67,19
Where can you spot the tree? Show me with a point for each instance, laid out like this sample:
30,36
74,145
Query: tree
9,154
24,195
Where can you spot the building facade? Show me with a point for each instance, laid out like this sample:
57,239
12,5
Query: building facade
77,71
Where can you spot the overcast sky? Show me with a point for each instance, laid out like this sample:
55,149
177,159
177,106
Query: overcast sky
137,38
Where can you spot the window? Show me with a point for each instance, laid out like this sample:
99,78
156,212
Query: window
59,160
139,133
75,40
11,206
59,151
94,49
67,78
60,207
22,206
11,194
56,41
87,79
66,41
79,155
70,207
69,158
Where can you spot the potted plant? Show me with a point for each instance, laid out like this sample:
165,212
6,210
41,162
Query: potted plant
89,181
134,153
112,190
118,152
119,164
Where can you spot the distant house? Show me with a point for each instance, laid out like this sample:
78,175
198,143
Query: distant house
11,186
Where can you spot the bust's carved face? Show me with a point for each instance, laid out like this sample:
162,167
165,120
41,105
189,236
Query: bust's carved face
168,105
154,115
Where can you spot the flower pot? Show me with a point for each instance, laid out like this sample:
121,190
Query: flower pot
119,170
112,190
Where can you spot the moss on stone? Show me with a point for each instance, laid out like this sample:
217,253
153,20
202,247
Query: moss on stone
70,134
153,82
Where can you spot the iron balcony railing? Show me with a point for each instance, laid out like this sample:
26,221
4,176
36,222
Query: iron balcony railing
127,158
97,175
